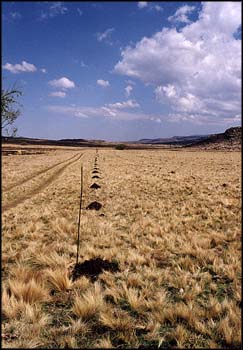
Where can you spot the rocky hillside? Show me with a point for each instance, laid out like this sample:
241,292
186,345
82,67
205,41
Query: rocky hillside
231,139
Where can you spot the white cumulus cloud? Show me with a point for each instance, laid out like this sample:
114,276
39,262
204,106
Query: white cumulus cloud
80,12
142,4
124,105
181,15
103,83
15,15
130,82
196,70
62,83
20,67
128,90
105,35
126,110
53,9
149,5
83,65
158,8
60,94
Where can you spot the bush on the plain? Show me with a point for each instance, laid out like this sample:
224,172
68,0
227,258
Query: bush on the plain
120,146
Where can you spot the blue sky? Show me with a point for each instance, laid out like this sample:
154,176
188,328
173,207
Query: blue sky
123,70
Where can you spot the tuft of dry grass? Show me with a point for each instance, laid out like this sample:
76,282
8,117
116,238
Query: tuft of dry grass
104,343
89,304
58,280
29,292
116,320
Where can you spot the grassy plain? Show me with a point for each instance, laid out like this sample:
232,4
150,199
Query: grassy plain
172,221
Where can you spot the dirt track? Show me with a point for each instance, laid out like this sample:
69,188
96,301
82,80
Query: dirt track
36,174
42,185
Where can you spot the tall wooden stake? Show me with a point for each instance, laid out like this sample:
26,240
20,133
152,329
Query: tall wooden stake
79,216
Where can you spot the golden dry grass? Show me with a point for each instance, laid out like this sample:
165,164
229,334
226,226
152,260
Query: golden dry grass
172,221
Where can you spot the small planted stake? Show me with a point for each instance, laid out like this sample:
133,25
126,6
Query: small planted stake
95,186
94,206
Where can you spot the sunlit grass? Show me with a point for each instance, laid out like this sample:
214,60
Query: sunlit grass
172,221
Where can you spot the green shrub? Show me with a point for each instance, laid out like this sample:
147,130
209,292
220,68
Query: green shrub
120,146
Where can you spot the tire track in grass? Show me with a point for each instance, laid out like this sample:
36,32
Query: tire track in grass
40,187
21,182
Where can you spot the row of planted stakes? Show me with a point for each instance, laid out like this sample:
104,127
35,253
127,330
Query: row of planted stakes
93,267
95,175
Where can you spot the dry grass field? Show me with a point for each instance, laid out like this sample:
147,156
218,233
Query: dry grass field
170,219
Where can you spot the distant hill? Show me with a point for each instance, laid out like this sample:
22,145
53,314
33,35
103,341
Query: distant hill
175,140
31,141
62,142
231,139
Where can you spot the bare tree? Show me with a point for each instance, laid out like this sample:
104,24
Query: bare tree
9,110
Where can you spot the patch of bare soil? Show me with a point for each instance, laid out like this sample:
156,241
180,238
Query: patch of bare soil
92,268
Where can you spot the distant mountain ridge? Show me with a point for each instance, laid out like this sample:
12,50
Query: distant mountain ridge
231,138
174,140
